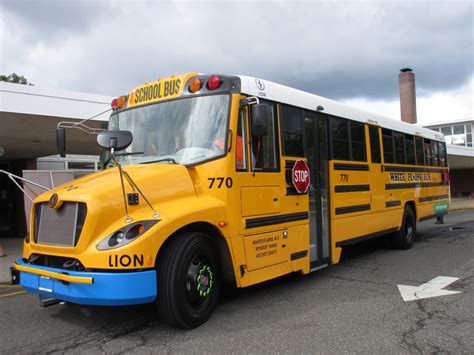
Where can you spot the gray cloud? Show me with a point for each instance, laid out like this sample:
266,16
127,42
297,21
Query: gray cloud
338,50
52,17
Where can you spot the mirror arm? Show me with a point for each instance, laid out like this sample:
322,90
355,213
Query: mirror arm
252,100
81,127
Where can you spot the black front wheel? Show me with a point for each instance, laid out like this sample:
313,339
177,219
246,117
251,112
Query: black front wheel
188,281
405,237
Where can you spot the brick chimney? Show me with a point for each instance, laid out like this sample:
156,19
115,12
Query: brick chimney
407,95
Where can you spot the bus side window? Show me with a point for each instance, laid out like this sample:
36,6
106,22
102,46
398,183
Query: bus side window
375,144
410,149
387,141
399,143
292,131
434,153
341,149
357,134
427,147
265,148
442,154
420,160
240,143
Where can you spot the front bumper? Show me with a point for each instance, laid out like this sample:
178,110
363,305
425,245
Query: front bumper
88,288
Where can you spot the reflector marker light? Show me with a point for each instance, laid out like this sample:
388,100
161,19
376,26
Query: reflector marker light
214,82
195,85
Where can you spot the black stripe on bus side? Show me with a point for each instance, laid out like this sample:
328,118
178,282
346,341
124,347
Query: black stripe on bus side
412,169
414,184
289,164
291,191
393,203
354,167
351,188
298,255
351,209
365,237
433,198
268,221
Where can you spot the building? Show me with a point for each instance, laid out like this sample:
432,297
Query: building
461,154
28,119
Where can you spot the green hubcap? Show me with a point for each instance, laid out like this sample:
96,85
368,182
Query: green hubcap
200,280
204,280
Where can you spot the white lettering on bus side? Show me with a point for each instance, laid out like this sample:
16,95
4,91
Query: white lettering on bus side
301,176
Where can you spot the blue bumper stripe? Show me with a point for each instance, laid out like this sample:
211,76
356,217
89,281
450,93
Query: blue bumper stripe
108,289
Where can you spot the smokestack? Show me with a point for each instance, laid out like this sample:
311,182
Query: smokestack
407,95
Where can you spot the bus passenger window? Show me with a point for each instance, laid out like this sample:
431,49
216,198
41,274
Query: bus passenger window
442,154
265,149
375,144
434,153
240,145
357,141
399,148
410,149
420,160
340,139
427,148
387,141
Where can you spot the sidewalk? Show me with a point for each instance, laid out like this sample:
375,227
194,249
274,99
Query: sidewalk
12,247
461,203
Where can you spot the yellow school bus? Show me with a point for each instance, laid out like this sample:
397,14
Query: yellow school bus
218,179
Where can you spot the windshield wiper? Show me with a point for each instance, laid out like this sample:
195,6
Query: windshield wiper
122,155
171,160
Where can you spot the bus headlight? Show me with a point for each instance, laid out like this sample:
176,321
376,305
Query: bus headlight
125,235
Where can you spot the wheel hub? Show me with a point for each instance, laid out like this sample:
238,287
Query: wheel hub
204,280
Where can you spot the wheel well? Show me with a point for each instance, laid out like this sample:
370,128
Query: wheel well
411,204
222,249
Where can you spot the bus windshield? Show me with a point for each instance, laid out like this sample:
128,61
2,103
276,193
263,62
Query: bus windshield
184,131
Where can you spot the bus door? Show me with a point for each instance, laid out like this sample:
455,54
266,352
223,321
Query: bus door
316,151
262,187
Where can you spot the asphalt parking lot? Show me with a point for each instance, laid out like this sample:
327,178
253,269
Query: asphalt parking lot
353,307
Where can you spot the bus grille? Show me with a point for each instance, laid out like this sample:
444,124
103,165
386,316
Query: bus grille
60,227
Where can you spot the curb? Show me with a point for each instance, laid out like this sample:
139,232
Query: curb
453,209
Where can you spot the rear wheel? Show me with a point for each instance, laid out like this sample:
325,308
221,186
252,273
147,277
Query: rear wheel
405,237
188,281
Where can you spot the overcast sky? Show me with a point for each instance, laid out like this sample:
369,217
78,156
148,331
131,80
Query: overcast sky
349,51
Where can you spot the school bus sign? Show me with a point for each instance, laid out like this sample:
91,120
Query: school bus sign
300,176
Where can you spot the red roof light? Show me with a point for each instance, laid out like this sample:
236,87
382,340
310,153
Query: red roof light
214,82
114,104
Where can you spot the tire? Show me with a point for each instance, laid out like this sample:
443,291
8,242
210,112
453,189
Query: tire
405,237
188,281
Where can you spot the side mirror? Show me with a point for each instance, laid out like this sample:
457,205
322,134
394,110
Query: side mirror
61,141
260,116
118,140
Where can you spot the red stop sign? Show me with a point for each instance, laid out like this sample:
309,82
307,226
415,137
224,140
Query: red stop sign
300,176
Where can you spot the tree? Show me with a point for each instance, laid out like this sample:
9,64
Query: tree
14,78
